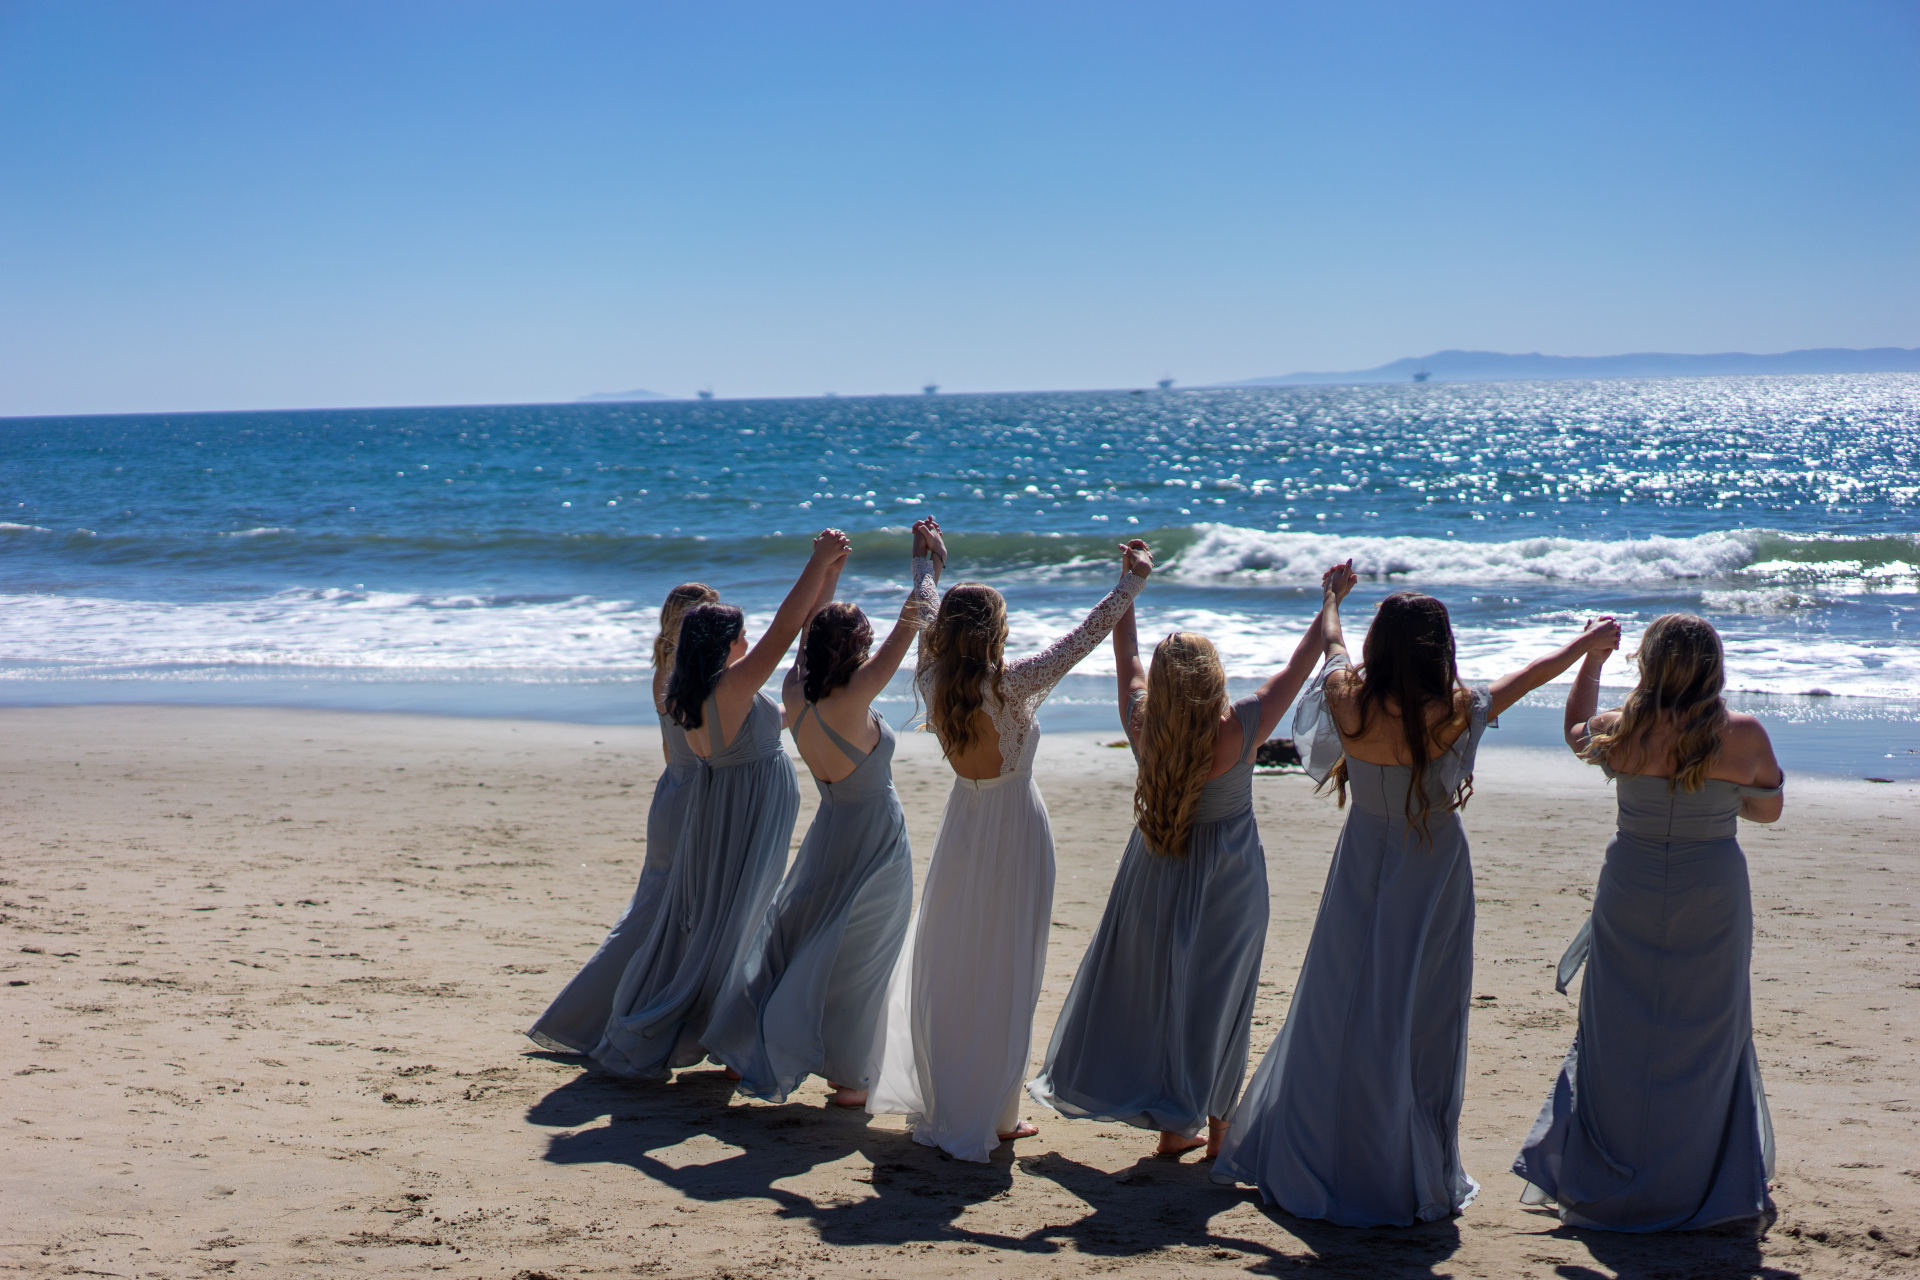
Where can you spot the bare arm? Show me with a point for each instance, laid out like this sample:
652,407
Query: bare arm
1331,640
1602,634
1283,686
752,671
1129,671
1753,748
1583,699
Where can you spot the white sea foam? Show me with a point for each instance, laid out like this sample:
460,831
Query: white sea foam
1257,556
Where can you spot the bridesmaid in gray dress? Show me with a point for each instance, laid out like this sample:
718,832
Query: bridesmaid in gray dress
1154,1031
1353,1114
1658,1121
806,998
574,1021
741,807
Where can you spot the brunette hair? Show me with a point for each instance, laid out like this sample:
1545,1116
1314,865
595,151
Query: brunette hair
1186,696
679,600
707,633
1682,673
966,646
1408,660
838,641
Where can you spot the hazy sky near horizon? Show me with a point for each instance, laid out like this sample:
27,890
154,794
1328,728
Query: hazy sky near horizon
244,205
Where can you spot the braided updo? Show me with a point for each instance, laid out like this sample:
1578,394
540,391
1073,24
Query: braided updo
707,633
838,641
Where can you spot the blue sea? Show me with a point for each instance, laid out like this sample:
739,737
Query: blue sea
509,560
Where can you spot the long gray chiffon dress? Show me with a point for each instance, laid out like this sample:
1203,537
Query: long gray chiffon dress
1353,1115
1657,1121
577,1018
807,996
741,806
1154,1031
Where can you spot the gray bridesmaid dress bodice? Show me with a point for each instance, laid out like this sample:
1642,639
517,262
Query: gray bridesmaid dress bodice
1353,1114
577,1018
1658,1119
808,992
732,846
1155,1029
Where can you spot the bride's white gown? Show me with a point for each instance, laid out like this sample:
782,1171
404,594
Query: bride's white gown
952,1043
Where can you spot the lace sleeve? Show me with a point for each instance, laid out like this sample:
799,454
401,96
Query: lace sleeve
1032,678
923,602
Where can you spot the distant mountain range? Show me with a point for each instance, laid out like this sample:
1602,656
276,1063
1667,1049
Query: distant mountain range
602,396
1495,366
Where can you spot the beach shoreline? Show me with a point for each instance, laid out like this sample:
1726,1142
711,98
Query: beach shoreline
268,970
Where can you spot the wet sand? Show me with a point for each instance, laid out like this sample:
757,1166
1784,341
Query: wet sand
266,973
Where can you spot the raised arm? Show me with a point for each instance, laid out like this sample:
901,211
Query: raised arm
929,559
829,549
915,615
1602,635
1283,686
791,697
1583,699
1331,640
1031,678
1132,674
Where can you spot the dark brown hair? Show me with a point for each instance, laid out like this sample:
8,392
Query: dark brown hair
707,633
838,641
1408,661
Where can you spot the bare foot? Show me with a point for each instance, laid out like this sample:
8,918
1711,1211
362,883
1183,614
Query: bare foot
842,1096
1025,1129
1174,1145
732,1074
1216,1134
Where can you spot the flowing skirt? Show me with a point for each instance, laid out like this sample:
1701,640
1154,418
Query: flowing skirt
954,1040
1154,1032
1354,1113
807,997
726,866
1657,1121
577,1018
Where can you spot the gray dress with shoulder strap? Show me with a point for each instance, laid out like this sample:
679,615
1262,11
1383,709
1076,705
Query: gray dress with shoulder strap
577,1018
1658,1121
1155,1030
806,997
1353,1115
741,806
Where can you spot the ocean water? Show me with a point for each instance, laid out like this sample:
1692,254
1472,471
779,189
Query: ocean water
510,560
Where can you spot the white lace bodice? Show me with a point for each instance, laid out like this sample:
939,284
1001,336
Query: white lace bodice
1025,682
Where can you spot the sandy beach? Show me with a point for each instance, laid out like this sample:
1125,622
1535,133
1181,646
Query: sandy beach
267,971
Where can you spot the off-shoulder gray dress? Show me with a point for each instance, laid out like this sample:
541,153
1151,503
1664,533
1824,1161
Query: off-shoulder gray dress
741,807
1353,1115
577,1018
1154,1031
1658,1121
809,992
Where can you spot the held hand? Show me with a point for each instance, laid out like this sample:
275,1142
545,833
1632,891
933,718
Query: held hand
919,539
1135,558
1601,636
831,546
936,545
1339,580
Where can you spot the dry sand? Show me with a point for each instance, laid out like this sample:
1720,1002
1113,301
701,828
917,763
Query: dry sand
267,971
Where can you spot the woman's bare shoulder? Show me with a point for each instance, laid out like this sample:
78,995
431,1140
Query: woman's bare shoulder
1343,682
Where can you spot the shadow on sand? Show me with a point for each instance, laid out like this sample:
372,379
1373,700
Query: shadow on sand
915,1195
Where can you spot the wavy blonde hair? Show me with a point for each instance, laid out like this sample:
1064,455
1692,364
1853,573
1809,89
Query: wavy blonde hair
1186,696
966,646
1683,671
679,600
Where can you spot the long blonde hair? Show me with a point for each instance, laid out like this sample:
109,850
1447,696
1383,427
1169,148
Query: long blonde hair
966,646
1186,696
679,600
1682,673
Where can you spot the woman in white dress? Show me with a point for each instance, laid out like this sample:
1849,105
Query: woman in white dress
953,1040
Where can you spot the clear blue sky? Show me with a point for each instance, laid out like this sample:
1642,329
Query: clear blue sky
246,204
